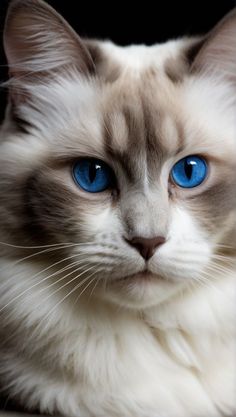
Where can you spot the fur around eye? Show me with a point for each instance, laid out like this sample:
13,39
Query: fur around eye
93,175
189,172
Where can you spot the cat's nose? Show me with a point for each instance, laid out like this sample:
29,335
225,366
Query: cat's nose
146,246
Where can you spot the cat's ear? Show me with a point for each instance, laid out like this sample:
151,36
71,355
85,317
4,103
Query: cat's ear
218,53
38,41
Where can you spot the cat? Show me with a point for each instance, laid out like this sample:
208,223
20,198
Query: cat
117,222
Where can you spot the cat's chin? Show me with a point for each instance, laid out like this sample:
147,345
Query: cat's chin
144,278
141,290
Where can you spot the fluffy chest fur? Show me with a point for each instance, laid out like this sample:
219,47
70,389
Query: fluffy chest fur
117,281
177,359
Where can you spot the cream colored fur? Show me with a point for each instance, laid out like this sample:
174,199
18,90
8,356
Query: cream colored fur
80,341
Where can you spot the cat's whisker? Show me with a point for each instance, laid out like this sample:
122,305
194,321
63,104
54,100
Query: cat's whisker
53,249
34,255
82,266
95,285
215,272
72,280
195,280
183,261
219,268
43,280
105,281
7,340
228,269
208,278
48,267
84,253
46,246
205,281
70,292
190,250
197,250
96,282
90,282
221,245
49,276
225,258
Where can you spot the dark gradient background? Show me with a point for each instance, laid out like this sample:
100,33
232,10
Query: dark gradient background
124,23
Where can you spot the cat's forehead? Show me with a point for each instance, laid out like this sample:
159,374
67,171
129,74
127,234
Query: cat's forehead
152,108
157,108
139,106
140,127
141,99
154,104
140,119
171,58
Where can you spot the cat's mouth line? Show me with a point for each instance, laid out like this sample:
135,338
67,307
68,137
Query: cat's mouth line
144,275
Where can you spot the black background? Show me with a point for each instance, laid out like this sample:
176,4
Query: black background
125,23
139,22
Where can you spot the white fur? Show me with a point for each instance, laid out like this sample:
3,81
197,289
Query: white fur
157,349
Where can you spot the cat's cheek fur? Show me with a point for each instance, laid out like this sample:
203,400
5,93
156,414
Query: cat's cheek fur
187,252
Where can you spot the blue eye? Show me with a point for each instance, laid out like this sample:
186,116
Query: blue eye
189,172
93,175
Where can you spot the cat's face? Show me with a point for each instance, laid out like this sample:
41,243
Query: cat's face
141,236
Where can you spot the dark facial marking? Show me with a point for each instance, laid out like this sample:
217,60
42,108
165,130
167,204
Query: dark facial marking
176,69
47,209
145,144
192,51
121,157
22,125
153,140
105,67
214,205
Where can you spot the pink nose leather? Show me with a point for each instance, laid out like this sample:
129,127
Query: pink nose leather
146,247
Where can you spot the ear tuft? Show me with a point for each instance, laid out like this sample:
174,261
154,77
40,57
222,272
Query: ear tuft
218,53
38,40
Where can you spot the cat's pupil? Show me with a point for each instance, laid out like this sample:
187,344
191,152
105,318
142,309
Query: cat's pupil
188,167
93,171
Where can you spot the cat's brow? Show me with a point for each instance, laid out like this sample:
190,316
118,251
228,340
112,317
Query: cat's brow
145,143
